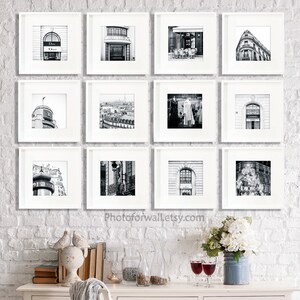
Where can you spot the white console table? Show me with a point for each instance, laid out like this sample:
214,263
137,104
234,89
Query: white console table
175,291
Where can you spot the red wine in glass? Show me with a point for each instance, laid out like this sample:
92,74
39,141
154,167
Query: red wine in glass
209,269
196,267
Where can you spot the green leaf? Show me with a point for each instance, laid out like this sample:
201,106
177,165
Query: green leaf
249,219
237,256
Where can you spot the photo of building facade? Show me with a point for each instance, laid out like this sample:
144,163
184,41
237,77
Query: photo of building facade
118,43
252,111
50,43
253,178
117,178
250,48
49,179
116,111
42,117
185,111
185,42
185,178
48,111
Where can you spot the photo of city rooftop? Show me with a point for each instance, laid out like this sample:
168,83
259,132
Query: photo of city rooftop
116,111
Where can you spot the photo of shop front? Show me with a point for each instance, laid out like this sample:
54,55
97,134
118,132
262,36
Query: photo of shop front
185,42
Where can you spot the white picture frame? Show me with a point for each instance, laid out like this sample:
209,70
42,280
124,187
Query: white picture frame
252,111
164,128
60,100
205,60
201,190
59,51
126,128
64,165
267,33
132,193
104,57
266,165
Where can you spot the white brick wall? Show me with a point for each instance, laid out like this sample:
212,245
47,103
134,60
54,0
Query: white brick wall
24,234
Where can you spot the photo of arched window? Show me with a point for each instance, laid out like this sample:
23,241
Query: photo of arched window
185,181
253,116
185,178
252,111
50,43
51,46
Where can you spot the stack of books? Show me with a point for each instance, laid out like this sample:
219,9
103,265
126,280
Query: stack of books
45,274
92,266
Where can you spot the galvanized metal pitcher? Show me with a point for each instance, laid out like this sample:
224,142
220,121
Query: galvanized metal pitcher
235,273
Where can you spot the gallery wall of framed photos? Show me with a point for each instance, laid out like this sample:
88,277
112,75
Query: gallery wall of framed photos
105,128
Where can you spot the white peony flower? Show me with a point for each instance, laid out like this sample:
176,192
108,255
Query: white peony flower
239,236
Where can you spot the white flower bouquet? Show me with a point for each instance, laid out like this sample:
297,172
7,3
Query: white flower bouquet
234,235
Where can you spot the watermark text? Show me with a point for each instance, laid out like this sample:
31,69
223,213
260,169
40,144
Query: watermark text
156,217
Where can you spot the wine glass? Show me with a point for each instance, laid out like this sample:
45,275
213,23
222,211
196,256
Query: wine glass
209,267
196,266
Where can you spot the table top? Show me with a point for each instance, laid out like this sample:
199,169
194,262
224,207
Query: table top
264,286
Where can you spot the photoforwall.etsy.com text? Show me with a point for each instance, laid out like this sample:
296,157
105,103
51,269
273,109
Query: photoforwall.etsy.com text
157,217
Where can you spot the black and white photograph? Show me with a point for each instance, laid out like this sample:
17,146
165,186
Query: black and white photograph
185,178
253,178
117,178
252,111
253,43
49,111
116,111
185,42
118,43
50,43
185,111
49,178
